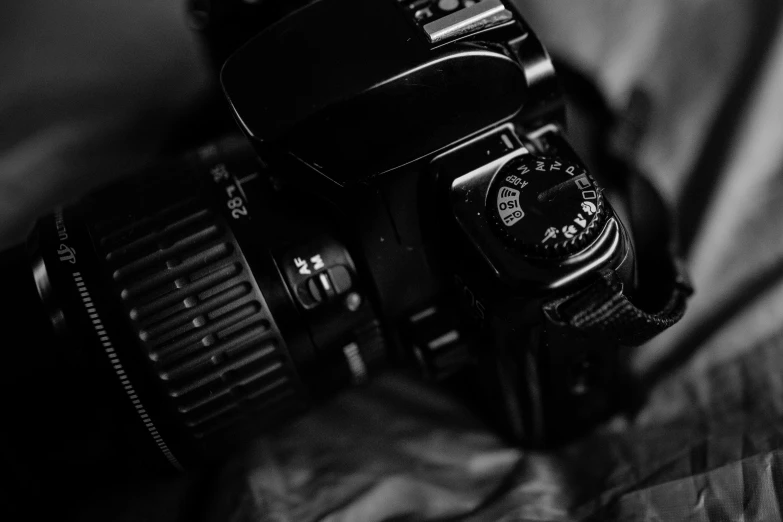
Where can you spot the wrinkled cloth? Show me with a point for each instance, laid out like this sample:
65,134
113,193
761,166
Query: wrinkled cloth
708,443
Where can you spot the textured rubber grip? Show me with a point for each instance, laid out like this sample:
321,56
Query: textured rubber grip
201,320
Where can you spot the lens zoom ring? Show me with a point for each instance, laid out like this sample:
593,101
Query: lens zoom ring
199,316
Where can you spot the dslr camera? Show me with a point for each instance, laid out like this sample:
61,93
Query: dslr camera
402,194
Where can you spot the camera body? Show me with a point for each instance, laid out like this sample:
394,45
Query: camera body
404,195
399,114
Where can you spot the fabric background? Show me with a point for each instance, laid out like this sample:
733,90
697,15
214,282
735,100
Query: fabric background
706,446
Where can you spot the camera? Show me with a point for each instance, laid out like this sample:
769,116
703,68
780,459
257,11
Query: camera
402,195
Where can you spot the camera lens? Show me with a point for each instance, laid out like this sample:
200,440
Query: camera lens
175,292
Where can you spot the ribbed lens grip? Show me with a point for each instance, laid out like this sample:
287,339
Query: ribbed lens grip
201,321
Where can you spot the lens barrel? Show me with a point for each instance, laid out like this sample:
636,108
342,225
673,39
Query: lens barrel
177,286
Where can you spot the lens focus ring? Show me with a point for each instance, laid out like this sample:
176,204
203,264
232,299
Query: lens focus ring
201,321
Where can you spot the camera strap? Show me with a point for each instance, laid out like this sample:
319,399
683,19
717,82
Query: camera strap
602,310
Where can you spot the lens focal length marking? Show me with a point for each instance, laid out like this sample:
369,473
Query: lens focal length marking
119,370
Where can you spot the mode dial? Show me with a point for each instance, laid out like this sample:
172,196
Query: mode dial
545,206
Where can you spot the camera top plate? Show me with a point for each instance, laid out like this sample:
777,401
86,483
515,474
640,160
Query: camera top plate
354,89
442,20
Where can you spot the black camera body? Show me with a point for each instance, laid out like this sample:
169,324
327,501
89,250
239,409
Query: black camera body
409,199
400,114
